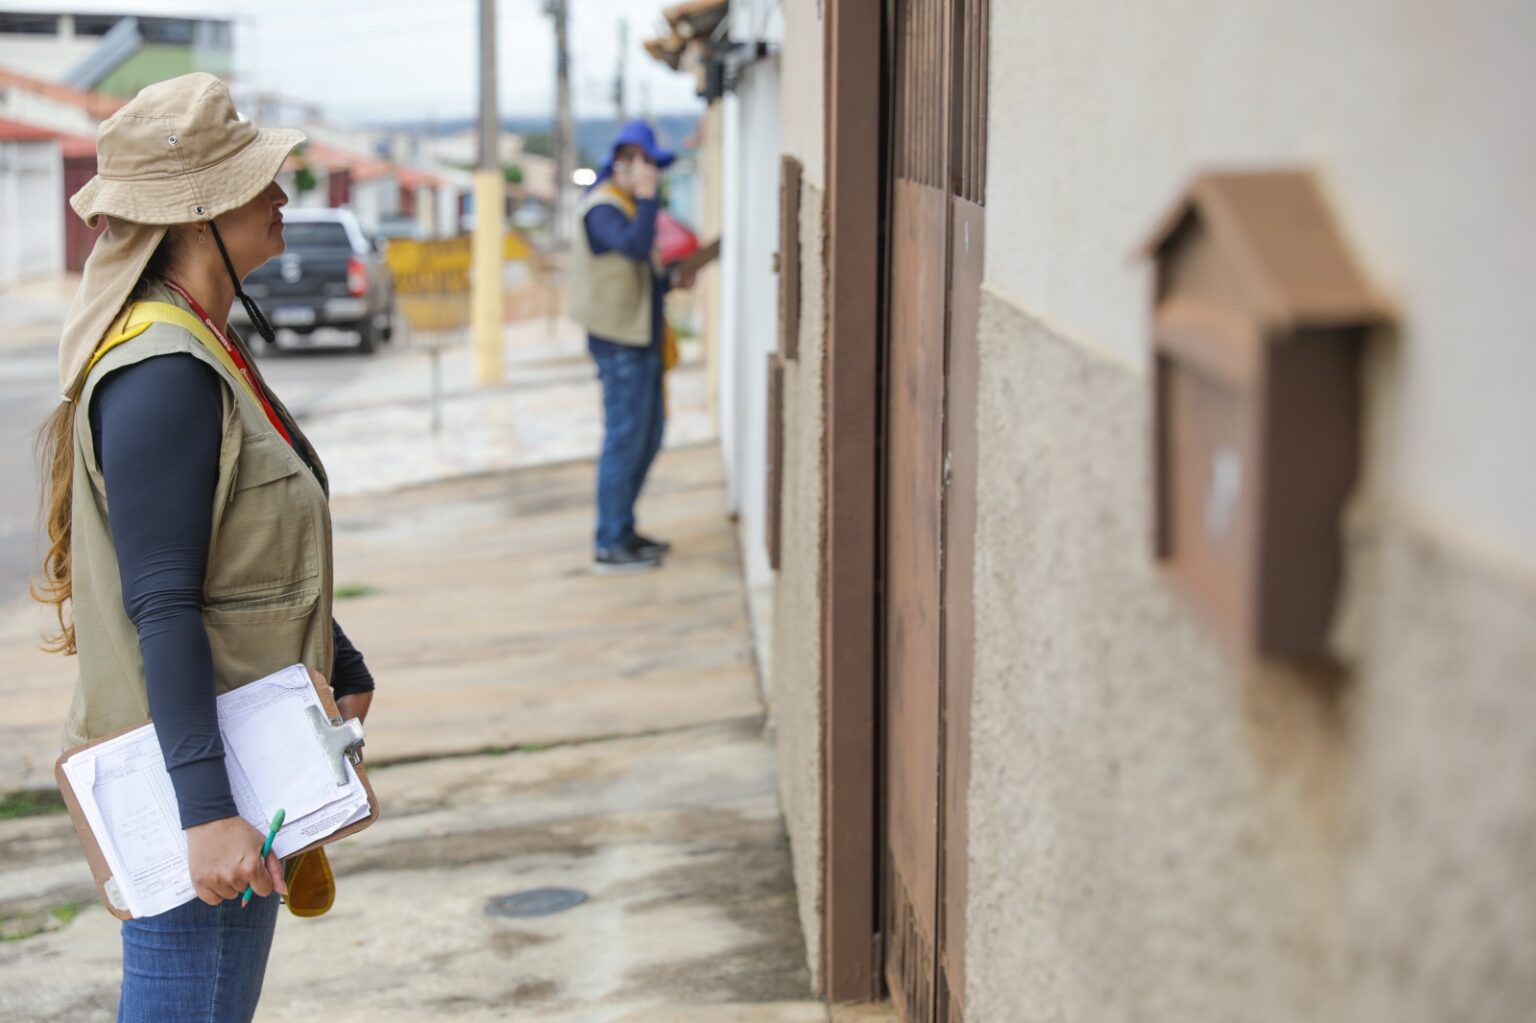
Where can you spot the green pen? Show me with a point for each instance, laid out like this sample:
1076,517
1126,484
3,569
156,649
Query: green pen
277,822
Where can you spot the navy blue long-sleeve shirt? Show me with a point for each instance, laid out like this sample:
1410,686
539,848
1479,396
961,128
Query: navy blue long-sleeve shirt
157,426
609,230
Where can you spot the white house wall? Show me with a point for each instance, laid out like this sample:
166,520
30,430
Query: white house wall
1159,831
750,302
47,57
29,107
375,200
32,210
732,242
1417,113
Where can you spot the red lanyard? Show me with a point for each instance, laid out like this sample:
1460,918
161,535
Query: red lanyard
237,358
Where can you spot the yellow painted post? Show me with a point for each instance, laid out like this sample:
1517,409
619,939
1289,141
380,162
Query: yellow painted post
485,271
490,210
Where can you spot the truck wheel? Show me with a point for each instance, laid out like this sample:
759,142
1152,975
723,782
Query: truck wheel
367,336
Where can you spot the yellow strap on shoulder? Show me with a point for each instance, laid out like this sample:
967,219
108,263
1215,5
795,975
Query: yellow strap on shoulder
625,201
141,315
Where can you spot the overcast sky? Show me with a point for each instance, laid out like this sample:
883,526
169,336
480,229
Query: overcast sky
393,59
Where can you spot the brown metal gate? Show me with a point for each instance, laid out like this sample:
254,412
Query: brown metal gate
937,166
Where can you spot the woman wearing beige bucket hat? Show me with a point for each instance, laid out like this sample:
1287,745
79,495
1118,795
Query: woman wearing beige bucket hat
214,566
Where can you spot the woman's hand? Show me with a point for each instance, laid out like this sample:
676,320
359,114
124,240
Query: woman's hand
355,705
645,180
225,856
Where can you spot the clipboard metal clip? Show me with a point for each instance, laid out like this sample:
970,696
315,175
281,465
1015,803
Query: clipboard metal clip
342,741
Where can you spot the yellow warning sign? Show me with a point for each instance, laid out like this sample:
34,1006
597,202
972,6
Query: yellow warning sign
442,267
432,278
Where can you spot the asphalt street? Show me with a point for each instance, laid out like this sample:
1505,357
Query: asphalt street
28,386
27,394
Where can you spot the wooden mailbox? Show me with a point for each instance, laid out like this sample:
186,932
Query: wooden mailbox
1259,322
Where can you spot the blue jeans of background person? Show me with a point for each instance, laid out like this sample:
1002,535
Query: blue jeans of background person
197,963
634,417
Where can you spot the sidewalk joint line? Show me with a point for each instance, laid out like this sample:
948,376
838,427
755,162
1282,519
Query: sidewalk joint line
407,759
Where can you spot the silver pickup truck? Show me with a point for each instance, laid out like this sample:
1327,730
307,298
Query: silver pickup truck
331,276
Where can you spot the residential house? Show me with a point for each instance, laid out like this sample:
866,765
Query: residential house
368,185
1146,470
119,47
69,116
739,153
50,105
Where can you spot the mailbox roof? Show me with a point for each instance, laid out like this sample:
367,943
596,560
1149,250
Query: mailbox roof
1282,242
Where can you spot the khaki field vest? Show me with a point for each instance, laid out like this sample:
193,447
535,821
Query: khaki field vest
611,293
268,590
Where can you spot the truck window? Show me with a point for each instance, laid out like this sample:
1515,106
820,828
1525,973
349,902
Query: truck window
317,234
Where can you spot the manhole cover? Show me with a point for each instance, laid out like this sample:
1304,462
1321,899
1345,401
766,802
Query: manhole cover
536,902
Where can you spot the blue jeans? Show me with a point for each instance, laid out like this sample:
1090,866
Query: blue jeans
634,417
197,963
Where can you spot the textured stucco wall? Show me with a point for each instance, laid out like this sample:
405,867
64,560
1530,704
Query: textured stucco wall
1158,835
1416,113
794,685
795,690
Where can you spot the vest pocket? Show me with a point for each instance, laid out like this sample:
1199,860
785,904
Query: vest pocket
252,639
262,461
267,537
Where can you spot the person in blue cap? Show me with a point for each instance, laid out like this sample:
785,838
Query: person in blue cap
618,291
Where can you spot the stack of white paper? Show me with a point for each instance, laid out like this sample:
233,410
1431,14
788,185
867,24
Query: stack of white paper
274,759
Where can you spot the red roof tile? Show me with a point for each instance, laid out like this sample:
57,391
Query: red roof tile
72,145
15,131
94,103
411,178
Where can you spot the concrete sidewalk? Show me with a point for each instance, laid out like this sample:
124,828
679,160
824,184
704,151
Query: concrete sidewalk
547,728
375,431
32,312
536,727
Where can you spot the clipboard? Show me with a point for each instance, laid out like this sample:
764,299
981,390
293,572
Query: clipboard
338,739
698,259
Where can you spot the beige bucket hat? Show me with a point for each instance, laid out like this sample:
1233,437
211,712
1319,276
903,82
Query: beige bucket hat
177,153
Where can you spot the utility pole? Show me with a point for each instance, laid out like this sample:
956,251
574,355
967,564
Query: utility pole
490,202
565,129
621,112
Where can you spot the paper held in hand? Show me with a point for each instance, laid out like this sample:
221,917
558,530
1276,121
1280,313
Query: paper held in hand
276,757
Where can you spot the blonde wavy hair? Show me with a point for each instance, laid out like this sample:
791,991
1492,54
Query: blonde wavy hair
55,584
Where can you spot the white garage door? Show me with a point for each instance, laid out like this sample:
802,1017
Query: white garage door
31,214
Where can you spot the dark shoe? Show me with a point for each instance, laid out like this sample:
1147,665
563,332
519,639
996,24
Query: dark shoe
644,544
624,558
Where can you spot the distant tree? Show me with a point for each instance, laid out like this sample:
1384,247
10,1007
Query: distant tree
514,174
304,179
539,143
542,143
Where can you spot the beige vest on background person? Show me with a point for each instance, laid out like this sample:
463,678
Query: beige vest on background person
268,590
611,293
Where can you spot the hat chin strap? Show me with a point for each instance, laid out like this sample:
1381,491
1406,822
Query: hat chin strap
258,320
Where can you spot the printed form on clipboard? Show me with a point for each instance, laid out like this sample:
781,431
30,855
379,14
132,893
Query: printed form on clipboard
280,751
